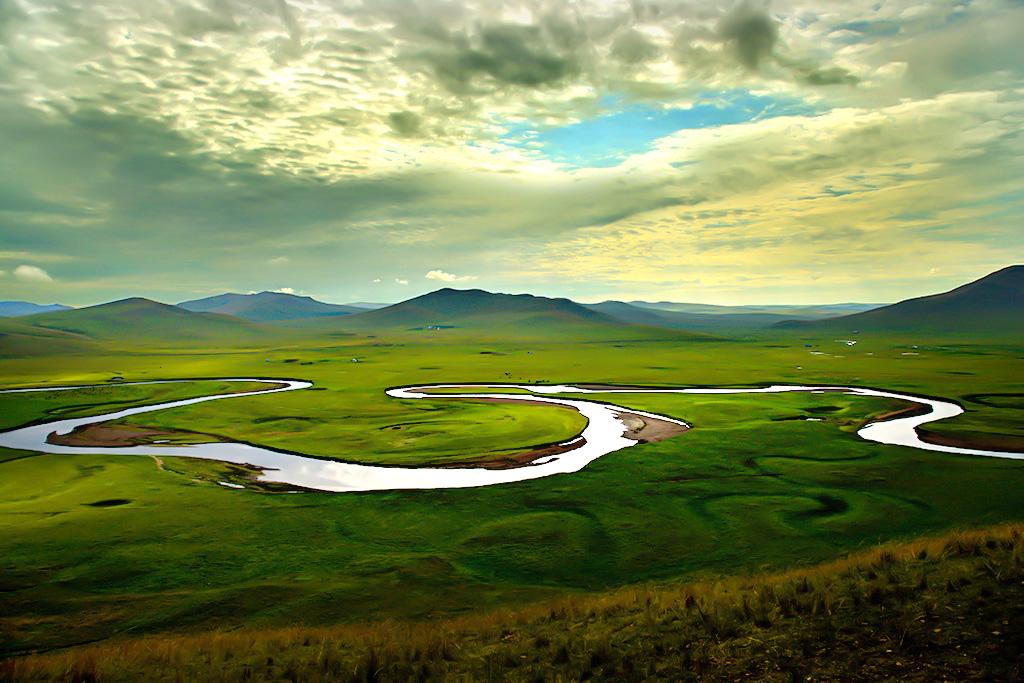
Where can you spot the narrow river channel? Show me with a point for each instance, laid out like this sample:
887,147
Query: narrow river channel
608,430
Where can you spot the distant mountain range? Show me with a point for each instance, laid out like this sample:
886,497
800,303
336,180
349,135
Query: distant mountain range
125,322
492,314
267,306
730,318
782,311
992,304
451,306
14,309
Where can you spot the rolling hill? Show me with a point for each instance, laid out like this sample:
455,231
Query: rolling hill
486,312
128,321
777,311
267,306
679,320
993,304
14,309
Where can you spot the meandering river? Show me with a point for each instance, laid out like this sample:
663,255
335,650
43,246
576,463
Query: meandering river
606,432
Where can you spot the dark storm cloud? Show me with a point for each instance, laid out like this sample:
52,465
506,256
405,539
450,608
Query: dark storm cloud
508,54
832,75
404,123
744,42
809,73
632,47
750,33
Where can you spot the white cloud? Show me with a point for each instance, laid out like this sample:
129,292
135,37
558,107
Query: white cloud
570,52
763,192
286,290
32,274
448,277
33,256
443,137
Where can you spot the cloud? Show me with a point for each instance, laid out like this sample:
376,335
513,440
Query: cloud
404,123
400,281
632,47
976,49
376,280
34,255
448,277
750,33
377,136
286,290
508,54
810,74
850,194
35,274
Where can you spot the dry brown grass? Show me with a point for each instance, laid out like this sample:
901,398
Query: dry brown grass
948,607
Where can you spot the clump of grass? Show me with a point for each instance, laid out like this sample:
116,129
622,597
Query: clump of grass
939,608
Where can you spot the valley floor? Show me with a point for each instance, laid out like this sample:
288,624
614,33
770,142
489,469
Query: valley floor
101,548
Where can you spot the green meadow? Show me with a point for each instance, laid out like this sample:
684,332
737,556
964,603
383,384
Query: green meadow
106,545
276,216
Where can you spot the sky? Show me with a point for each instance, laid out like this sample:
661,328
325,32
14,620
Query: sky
374,150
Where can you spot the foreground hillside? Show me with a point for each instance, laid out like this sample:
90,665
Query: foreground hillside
943,608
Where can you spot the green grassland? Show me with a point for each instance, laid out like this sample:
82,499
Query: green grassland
939,608
103,545
24,408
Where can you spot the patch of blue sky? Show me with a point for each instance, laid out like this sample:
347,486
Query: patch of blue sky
606,140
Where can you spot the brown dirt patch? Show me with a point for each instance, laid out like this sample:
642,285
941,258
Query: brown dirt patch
104,435
650,429
978,440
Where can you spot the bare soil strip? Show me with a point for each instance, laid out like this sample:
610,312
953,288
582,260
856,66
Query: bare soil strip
105,435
